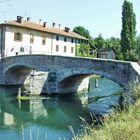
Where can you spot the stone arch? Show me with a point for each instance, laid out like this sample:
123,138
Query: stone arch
16,65
74,81
87,71
17,74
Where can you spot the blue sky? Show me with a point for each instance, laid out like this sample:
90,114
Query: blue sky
98,16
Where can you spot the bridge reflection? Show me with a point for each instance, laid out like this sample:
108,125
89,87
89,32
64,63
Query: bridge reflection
52,112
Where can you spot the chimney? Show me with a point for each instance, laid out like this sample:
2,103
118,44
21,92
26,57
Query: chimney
19,19
45,24
53,24
28,19
59,26
67,29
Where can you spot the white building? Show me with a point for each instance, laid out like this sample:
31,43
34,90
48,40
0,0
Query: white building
21,37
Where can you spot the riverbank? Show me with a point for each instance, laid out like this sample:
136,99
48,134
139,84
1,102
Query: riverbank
123,125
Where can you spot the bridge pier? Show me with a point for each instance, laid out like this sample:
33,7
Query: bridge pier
36,83
45,83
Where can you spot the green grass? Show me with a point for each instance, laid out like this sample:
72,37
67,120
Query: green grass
123,125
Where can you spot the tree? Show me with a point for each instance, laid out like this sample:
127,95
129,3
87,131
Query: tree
138,44
82,31
99,42
83,50
114,43
128,33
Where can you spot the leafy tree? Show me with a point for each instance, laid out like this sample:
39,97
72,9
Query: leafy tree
138,44
82,31
138,40
83,50
115,44
112,42
99,42
128,33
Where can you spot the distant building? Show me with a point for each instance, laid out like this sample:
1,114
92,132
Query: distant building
20,37
106,53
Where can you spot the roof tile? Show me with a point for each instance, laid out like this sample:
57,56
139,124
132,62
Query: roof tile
39,27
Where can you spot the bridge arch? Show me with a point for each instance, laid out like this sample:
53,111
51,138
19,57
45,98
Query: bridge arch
74,83
17,73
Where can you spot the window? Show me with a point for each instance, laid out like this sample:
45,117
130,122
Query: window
17,36
71,49
72,40
65,39
57,48
57,37
31,38
65,49
43,40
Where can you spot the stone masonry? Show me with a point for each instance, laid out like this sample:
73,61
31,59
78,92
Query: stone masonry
62,73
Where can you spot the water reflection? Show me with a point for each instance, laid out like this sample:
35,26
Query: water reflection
50,115
33,106
104,97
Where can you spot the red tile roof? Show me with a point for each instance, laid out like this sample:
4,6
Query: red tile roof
39,27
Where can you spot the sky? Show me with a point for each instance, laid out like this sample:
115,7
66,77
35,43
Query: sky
97,16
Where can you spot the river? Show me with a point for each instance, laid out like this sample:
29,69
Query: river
50,118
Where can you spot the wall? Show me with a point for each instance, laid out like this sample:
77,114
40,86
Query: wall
61,45
12,47
111,54
34,48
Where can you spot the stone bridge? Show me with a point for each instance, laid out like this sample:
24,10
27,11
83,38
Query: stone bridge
63,74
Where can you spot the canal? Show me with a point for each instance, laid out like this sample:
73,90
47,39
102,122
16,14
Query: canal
51,118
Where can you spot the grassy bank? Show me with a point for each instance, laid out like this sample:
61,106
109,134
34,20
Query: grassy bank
124,125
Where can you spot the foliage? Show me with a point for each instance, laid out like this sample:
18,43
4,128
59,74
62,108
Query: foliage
128,33
83,50
138,44
138,40
82,31
112,42
99,42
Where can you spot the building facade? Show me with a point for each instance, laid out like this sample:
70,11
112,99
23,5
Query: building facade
106,53
21,37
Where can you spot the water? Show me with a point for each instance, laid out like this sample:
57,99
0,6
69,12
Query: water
105,97
45,119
